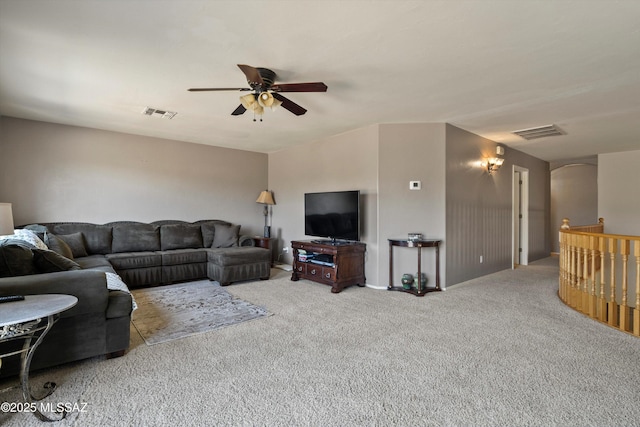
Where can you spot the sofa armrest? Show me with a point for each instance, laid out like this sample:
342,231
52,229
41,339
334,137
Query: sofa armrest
245,240
89,286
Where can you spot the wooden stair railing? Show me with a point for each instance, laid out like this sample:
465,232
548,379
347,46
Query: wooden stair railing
595,272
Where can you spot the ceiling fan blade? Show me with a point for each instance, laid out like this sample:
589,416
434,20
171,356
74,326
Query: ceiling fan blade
238,111
252,73
300,87
208,89
289,105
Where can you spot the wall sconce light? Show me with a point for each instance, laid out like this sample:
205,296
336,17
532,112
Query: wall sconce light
494,163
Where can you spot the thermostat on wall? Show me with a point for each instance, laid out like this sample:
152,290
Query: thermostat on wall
415,185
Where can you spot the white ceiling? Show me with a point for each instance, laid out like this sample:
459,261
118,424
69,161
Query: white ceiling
487,66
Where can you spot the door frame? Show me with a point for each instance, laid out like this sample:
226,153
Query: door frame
520,229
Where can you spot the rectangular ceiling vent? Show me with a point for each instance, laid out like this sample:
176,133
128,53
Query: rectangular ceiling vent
539,132
158,113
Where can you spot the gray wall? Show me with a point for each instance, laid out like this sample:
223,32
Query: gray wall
343,162
458,203
618,200
63,173
411,152
53,172
574,195
619,205
479,207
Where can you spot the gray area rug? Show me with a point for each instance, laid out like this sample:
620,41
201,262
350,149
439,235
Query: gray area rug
171,312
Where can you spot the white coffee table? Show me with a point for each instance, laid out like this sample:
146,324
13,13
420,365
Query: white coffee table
32,318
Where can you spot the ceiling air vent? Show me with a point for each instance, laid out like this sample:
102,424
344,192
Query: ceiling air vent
158,113
539,132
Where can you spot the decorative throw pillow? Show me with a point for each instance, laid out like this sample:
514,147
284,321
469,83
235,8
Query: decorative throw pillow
16,260
76,243
58,245
46,261
226,236
208,231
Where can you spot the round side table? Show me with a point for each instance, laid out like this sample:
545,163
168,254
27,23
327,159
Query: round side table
32,318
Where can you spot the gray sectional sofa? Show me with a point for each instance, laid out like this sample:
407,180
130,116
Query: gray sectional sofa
142,254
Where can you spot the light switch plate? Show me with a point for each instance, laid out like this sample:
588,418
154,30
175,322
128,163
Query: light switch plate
415,185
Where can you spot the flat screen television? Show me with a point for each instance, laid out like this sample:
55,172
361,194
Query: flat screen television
334,215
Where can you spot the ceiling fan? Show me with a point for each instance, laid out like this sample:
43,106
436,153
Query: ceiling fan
264,94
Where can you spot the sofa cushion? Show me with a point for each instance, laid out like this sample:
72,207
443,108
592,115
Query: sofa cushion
226,236
16,260
238,256
58,245
129,260
180,236
97,238
75,241
184,256
95,262
135,237
46,261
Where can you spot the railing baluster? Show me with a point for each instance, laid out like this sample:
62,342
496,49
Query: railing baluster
612,315
575,282
561,263
636,310
624,310
584,242
593,240
602,300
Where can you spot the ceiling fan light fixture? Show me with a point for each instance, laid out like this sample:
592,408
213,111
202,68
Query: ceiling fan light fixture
257,109
265,99
248,101
263,94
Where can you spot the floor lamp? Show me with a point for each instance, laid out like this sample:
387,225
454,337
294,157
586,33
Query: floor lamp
266,198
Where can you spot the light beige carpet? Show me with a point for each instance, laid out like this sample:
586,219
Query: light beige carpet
500,350
170,312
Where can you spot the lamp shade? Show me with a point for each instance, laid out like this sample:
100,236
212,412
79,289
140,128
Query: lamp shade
266,198
248,101
266,99
6,219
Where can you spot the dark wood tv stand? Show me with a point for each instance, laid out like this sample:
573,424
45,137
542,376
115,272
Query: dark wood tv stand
342,266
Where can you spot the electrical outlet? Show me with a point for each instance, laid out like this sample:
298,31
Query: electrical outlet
285,249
